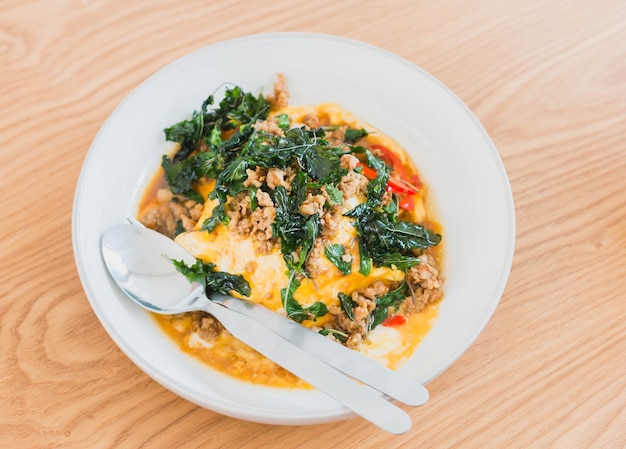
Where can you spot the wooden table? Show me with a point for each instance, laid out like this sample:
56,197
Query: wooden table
546,79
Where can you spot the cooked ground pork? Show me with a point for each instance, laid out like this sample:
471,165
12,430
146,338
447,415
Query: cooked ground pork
335,137
387,198
264,199
425,281
257,223
256,177
349,161
269,126
330,221
169,211
207,327
365,300
314,264
276,177
313,204
353,184
280,99
311,121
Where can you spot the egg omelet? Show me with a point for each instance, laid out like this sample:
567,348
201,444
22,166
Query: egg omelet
383,309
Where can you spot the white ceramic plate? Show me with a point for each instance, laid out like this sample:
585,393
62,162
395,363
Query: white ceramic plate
453,152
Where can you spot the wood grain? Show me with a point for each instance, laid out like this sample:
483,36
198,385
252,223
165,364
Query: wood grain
546,79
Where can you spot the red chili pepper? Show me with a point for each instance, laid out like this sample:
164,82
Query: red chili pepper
394,320
397,185
407,203
393,160
401,184
415,181
393,184
368,172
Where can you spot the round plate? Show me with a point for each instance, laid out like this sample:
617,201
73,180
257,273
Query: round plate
454,154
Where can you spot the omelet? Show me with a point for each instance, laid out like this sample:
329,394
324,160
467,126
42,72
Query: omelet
379,302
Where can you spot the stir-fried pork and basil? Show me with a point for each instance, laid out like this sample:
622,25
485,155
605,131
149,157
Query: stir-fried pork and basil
305,210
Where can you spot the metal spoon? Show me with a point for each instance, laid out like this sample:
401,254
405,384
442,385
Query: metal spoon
393,383
133,256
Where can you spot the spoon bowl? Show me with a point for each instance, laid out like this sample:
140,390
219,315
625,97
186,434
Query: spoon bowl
139,260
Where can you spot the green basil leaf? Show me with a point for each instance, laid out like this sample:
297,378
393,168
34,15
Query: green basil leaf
365,261
214,281
393,297
347,305
335,254
187,133
335,195
376,317
218,216
352,135
341,336
293,308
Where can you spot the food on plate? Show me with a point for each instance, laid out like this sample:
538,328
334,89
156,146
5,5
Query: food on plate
305,210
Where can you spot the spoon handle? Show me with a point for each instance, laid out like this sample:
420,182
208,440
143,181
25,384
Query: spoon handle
383,379
359,398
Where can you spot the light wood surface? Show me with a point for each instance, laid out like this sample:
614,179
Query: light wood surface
546,78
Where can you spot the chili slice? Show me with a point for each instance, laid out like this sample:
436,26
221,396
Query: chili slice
407,203
394,320
395,185
368,172
393,160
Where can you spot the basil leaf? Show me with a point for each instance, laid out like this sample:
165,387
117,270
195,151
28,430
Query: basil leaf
365,261
179,227
312,227
215,136
377,187
360,211
399,261
393,297
321,163
388,301
347,305
341,336
180,175
221,282
187,133
232,177
334,194
253,200
214,281
298,190
352,135
315,310
218,216
388,242
239,107
391,209
335,254
377,316
296,232
293,308
195,196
